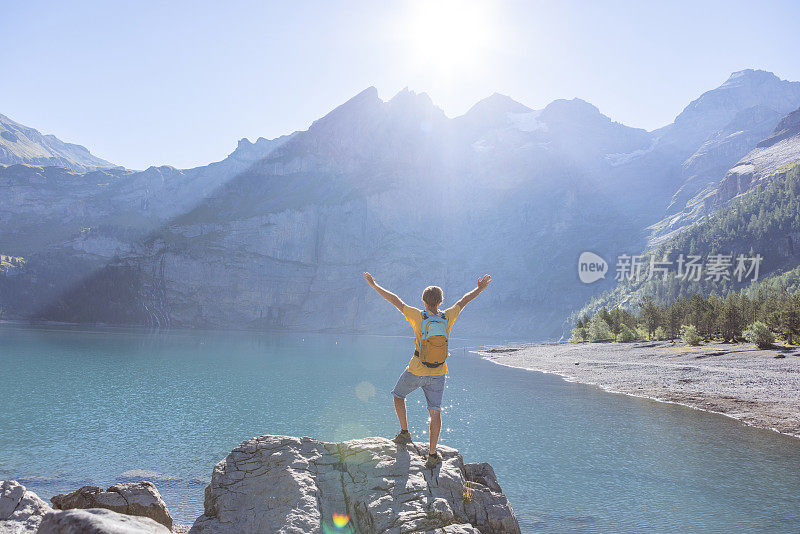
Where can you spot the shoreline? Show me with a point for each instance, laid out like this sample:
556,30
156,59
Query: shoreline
760,388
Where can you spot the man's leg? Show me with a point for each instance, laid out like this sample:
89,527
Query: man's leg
434,390
405,384
400,408
436,427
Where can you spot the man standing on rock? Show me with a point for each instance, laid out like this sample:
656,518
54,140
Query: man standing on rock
427,368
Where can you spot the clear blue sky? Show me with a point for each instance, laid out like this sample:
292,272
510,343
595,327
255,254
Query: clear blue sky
179,82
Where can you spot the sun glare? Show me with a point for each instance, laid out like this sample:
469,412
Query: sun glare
449,36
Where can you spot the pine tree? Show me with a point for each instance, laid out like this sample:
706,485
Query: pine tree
650,315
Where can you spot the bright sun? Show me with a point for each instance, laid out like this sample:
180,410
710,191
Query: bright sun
449,36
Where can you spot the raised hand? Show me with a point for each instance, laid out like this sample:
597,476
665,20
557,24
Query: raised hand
370,280
388,295
483,283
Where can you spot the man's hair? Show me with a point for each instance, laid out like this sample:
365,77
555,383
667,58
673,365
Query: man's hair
433,295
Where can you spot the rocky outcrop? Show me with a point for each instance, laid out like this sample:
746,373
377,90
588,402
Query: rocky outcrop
770,160
21,511
788,127
98,521
297,485
483,474
133,498
135,508
291,485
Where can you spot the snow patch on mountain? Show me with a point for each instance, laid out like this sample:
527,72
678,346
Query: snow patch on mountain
622,159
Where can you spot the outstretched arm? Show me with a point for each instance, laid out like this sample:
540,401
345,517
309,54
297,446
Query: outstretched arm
483,283
388,295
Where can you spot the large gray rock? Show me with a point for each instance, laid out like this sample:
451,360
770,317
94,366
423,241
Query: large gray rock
98,521
482,473
133,498
21,511
289,485
455,529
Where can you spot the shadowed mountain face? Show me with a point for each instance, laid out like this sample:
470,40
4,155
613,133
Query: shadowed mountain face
754,208
20,144
769,160
277,235
773,153
740,113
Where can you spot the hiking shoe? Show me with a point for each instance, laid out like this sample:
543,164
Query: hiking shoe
403,438
433,460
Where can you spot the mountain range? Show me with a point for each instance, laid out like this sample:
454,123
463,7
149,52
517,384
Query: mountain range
754,209
276,235
20,144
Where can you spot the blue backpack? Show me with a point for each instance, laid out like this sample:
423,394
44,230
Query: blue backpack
433,340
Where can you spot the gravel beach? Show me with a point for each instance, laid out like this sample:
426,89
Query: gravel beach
758,387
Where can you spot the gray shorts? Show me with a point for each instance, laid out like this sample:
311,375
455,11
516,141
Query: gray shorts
432,386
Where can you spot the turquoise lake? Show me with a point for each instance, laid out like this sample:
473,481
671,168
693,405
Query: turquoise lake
98,406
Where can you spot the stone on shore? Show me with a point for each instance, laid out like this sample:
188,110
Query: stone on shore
296,485
132,498
21,511
98,521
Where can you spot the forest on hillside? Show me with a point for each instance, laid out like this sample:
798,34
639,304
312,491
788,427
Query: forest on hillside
764,222
761,316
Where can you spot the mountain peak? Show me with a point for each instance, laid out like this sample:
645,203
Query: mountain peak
410,105
497,103
364,102
406,96
370,92
743,89
364,99
247,151
22,144
749,76
575,109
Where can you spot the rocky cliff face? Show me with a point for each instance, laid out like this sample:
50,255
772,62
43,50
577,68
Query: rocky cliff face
394,187
771,157
276,235
718,129
71,228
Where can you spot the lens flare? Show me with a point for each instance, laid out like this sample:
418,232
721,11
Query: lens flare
340,520
341,525
365,391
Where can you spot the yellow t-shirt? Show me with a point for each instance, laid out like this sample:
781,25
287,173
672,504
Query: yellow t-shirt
414,317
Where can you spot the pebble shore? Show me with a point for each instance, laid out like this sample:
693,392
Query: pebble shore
758,387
